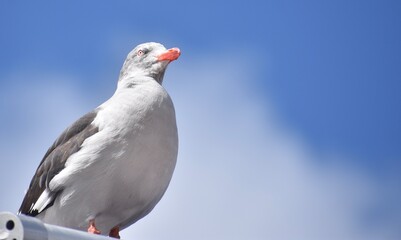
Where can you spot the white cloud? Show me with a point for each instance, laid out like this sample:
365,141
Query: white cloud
36,108
241,174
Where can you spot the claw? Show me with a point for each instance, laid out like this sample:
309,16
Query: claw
92,228
115,232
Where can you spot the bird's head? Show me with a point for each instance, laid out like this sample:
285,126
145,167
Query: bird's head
149,60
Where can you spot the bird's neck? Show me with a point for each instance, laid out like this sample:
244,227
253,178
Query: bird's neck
134,78
131,81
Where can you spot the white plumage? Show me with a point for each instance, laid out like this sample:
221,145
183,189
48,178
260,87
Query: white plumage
125,158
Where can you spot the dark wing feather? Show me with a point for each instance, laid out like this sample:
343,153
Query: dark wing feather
53,162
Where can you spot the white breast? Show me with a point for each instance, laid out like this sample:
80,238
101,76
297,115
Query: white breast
122,171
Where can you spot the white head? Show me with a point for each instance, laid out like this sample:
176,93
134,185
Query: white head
148,60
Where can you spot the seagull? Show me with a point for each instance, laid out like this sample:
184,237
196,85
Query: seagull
112,166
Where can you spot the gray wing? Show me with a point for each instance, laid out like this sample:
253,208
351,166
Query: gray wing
53,162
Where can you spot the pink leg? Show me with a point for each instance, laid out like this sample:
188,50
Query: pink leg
115,232
92,228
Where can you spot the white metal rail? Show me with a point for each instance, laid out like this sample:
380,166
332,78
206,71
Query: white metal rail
21,227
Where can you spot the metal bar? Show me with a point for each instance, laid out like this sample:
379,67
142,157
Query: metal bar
21,227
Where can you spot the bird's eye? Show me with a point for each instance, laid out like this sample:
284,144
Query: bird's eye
140,52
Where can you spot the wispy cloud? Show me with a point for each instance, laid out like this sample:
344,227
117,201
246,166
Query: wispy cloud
35,109
241,174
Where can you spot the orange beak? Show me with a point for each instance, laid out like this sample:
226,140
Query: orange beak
170,55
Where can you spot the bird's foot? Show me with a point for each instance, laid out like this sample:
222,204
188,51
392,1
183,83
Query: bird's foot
115,232
92,228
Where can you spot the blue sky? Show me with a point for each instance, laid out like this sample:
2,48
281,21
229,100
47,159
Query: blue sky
288,111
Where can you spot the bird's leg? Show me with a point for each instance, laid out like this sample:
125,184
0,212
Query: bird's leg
92,228
115,232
